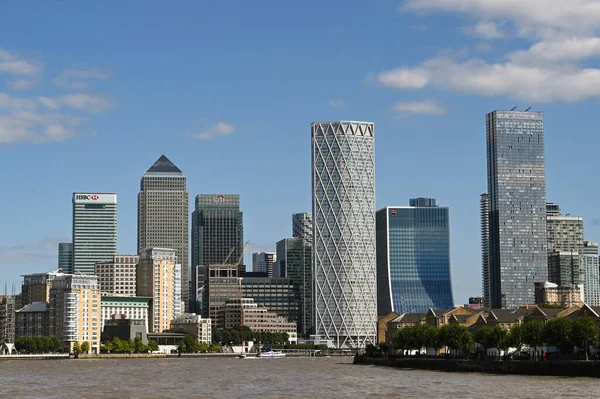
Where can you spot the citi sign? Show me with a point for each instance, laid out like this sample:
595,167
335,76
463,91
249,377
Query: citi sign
219,199
87,197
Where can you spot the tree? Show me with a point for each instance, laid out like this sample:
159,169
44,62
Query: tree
214,348
139,346
217,337
584,333
56,345
532,333
457,337
153,346
85,347
490,337
514,338
182,348
191,344
557,332
117,345
76,348
107,346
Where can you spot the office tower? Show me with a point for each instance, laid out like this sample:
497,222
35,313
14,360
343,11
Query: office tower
485,255
413,258
117,277
276,294
517,206
74,310
65,257
163,214
221,282
343,179
591,274
422,202
565,240
262,262
294,261
94,230
217,238
302,226
159,278
36,287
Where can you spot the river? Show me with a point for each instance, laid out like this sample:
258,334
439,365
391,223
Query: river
334,377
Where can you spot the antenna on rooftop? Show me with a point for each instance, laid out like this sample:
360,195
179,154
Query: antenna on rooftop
513,108
527,109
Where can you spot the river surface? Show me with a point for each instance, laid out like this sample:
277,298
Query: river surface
334,377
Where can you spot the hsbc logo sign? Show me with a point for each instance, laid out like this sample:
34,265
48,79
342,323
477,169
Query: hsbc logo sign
87,197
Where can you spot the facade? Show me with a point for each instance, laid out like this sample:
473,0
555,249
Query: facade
217,238
302,226
117,277
262,262
126,329
343,187
94,230
485,247
222,282
564,234
65,257
74,310
125,307
194,325
591,274
36,287
548,293
413,258
256,318
163,214
32,321
276,294
159,278
517,206
8,307
564,268
294,261
552,209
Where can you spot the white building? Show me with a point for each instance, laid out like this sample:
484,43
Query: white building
343,176
125,307
117,277
591,271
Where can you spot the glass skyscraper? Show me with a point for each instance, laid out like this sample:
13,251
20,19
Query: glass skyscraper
217,238
484,213
302,226
65,257
343,179
517,206
413,258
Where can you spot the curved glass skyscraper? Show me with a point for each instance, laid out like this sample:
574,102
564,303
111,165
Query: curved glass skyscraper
343,179
413,258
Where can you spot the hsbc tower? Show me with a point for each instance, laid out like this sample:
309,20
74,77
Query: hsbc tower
94,230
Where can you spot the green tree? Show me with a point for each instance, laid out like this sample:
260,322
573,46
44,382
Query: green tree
139,346
214,348
85,347
585,333
203,347
153,346
457,337
56,344
217,337
557,332
117,345
182,348
490,337
107,346
532,333
191,344
76,348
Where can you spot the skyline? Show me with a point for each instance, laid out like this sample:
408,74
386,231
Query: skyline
262,120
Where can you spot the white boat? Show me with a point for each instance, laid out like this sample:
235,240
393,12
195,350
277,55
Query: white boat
271,354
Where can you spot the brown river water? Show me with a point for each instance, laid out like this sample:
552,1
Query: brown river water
334,377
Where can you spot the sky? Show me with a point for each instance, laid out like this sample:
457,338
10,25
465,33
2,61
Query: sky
92,93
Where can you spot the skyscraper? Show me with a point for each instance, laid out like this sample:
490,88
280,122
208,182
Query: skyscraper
65,257
591,279
94,230
517,206
217,238
302,226
484,210
413,258
163,214
262,262
343,180
565,241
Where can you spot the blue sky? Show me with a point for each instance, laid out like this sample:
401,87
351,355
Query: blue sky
92,93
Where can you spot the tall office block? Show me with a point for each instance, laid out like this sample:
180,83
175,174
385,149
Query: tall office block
159,278
118,276
413,258
65,257
294,261
302,226
163,214
565,236
94,230
517,206
343,180
262,262
591,274
217,238
485,248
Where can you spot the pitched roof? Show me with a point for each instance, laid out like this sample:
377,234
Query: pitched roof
439,312
33,307
163,165
410,317
508,315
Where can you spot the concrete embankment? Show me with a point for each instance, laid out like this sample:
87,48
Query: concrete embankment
48,356
520,367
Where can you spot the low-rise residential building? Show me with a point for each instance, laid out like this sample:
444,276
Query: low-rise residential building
118,276
402,321
553,294
194,325
74,310
441,317
382,325
244,311
115,307
32,320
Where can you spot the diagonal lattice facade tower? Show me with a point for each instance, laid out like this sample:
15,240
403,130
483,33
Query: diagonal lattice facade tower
343,183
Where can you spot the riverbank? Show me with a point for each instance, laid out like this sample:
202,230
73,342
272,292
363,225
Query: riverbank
567,368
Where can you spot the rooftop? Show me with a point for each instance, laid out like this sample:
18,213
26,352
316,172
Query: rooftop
164,165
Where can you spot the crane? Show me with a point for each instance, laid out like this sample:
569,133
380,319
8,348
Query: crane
229,255
239,262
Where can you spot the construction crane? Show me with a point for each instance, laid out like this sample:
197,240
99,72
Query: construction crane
229,255
239,262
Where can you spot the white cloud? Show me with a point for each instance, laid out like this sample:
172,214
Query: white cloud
485,30
45,119
13,64
403,78
22,84
567,50
426,107
338,103
216,130
45,249
78,78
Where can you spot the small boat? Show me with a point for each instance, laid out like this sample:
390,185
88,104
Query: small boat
242,356
270,354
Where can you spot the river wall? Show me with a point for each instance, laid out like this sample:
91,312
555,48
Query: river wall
569,368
